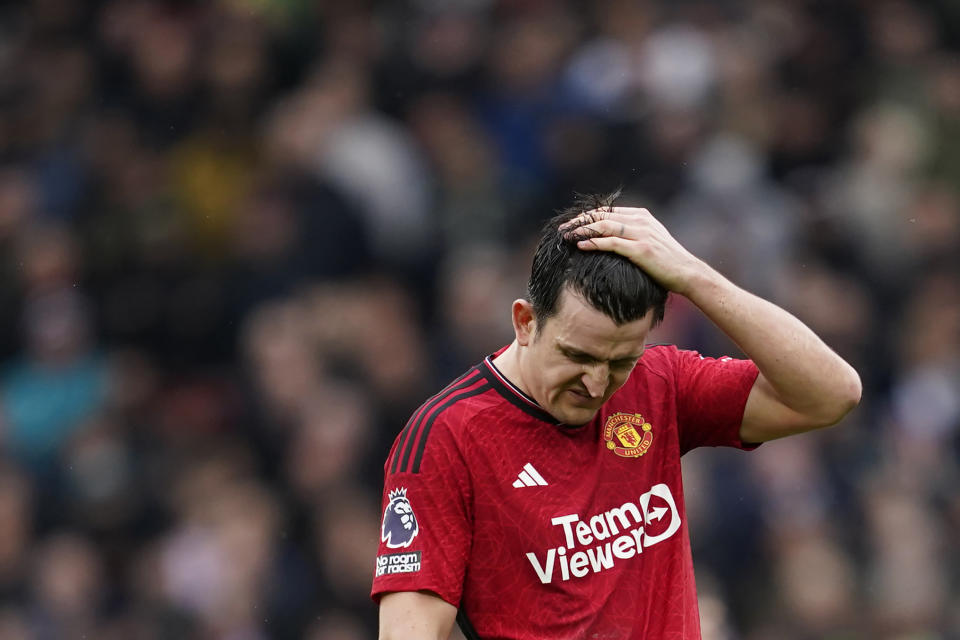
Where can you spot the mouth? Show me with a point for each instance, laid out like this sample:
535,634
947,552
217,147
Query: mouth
583,399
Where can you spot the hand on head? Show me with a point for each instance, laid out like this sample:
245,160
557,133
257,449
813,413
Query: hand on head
635,234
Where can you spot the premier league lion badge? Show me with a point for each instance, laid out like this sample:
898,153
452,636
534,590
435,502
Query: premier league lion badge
399,523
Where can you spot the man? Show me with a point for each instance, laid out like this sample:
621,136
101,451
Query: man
540,493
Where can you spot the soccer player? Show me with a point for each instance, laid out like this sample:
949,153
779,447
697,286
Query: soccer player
539,495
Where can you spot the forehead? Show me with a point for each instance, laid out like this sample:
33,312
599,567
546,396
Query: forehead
578,324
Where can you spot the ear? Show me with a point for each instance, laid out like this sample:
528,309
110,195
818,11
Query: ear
524,322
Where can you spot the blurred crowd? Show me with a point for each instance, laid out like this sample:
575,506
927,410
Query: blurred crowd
240,240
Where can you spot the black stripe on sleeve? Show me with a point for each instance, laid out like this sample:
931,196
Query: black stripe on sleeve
422,438
397,453
468,631
410,431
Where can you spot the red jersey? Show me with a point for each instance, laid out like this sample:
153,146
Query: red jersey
536,529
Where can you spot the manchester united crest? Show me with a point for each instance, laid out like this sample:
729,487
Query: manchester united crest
628,435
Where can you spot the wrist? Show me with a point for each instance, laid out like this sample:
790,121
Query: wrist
701,280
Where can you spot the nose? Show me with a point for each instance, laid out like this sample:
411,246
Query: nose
595,381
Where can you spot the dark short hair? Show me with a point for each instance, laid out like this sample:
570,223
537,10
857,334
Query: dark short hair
608,281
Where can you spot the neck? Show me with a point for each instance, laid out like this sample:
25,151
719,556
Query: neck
508,364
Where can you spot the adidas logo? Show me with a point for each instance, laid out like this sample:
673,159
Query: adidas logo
529,477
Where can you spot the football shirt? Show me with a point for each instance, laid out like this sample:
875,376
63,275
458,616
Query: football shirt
536,529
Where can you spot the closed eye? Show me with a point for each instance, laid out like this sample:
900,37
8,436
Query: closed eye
575,355
579,357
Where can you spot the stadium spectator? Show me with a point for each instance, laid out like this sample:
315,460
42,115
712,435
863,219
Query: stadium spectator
175,186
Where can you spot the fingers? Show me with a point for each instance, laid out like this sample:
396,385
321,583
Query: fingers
615,229
619,214
600,228
598,243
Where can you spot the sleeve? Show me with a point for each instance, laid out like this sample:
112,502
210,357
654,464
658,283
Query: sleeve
711,396
425,529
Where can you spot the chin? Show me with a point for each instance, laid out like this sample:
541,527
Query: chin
576,417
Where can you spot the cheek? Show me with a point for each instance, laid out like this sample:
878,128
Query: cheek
562,375
619,377
559,387
617,380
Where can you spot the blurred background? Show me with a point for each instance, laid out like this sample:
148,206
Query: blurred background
240,240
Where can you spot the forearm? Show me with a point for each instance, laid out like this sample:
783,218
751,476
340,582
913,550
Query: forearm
412,615
806,375
803,383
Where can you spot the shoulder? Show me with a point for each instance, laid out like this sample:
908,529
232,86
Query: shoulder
672,363
660,360
439,423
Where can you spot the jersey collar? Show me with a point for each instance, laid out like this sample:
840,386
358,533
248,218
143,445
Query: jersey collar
512,393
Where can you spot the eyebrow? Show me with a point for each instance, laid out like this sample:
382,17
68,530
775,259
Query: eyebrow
577,353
